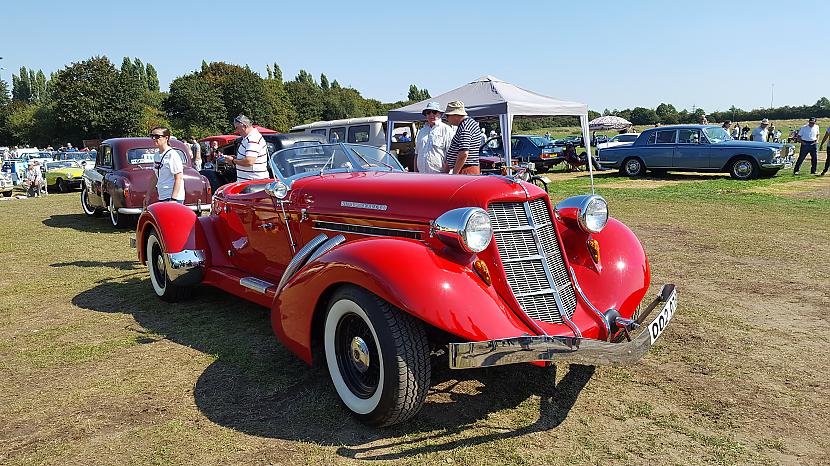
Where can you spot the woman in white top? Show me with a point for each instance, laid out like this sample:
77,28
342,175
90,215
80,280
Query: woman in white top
169,167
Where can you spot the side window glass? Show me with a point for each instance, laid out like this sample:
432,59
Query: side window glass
337,134
359,134
515,143
321,132
688,136
666,137
652,138
106,156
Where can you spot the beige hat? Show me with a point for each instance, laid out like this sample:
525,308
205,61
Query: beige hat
455,107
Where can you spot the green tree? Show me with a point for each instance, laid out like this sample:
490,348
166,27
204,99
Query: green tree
667,113
196,104
152,79
141,73
21,87
93,100
324,81
4,94
644,116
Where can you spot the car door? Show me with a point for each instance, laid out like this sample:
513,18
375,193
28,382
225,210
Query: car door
690,151
658,151
103,167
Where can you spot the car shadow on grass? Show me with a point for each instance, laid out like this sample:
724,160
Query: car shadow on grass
120,265
81,222
258,387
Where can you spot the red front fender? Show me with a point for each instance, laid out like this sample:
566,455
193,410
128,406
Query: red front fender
407,274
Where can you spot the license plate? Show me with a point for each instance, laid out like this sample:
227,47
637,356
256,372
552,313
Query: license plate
656,327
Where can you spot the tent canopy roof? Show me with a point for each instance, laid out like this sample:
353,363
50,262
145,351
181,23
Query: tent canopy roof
490,96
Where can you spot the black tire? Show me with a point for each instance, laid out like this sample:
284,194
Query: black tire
377,356
633,167
743,168
89,209
118,220
62,185
160,281
7,193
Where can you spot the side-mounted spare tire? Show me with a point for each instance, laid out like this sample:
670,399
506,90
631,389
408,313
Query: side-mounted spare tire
377,356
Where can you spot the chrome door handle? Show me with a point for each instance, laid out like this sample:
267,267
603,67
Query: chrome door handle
267,226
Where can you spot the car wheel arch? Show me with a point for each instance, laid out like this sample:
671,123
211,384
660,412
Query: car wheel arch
728,165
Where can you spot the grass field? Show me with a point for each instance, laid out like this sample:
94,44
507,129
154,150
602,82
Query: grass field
96,370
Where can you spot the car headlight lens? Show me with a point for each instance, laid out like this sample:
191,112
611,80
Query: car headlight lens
467,228
595,215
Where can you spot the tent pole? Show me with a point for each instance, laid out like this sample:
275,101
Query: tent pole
506,123
586,138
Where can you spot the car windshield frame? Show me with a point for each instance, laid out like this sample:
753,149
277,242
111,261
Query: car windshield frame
314,158
715,134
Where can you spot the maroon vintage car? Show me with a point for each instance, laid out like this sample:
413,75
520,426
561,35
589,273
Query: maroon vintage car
372,270
124,180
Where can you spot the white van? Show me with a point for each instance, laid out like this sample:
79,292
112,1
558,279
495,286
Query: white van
370,131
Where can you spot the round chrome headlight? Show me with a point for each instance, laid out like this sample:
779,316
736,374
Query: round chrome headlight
467,228
595,215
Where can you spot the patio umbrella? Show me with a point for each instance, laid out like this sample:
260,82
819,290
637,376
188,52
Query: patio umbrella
608,122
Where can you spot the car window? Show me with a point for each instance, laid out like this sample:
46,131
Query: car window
337,134
688,136
627,137
666,137
515,143
359,134
652,138
539,141
321,132
106,156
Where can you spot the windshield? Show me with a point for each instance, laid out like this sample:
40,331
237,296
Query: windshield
716,134
539,141
298,160
64,164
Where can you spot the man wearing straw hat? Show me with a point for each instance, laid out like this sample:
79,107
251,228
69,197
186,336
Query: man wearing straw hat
462,156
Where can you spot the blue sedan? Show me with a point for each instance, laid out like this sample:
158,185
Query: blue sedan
527,148
697,148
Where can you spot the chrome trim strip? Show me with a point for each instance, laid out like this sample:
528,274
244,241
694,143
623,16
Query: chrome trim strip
326,247
524,258
414,234
299,259
589,303
253,283
129,210
556,297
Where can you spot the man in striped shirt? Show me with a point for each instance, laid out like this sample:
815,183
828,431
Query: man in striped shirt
462,154
252,155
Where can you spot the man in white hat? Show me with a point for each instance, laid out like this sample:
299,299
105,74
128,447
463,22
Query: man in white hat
760,133
462,156
432,142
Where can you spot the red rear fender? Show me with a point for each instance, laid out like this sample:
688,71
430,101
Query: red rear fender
407,274
179,227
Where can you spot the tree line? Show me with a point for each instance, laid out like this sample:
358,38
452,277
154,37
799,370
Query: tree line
94,99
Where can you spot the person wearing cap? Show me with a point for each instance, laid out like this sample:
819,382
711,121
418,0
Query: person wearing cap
432,142
462,155
34,180
760,133
252,154
808,137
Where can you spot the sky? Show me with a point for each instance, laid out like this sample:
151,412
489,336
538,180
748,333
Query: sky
702,54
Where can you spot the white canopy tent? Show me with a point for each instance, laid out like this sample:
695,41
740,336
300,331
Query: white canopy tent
491,97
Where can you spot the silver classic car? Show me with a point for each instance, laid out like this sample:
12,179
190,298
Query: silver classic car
697,148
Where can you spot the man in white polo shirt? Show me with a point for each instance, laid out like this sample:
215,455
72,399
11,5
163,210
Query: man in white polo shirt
808,137
432,142
252,155
760,133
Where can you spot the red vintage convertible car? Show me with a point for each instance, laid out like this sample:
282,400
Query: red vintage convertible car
372,270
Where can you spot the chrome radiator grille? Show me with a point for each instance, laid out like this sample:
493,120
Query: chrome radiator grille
533,259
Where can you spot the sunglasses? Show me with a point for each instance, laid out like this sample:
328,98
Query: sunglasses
432,112
157,136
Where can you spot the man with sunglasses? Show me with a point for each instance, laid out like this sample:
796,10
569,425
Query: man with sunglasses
432,142
252,155
169,167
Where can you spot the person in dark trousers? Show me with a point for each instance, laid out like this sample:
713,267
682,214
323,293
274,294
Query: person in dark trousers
827,160
808,137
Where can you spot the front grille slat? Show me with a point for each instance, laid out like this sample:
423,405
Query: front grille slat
526,259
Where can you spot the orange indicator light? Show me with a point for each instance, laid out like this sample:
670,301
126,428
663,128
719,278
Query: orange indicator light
593,248
482,271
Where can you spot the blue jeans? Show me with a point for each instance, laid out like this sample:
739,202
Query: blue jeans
807,148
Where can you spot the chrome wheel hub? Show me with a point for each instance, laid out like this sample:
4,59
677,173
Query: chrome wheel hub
160,263
360,354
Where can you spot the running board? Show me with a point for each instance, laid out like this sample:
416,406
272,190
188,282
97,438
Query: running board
253,283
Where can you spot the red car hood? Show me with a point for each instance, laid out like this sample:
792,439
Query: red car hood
411,197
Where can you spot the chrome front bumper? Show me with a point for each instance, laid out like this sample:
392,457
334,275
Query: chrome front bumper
566,349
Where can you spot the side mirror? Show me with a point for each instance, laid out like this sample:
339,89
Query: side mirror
277,189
